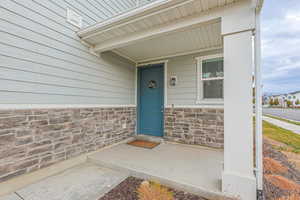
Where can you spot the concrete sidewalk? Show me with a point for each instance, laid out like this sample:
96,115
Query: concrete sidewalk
291,127
83,182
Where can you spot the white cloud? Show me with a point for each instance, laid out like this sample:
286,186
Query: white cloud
293,16
281,48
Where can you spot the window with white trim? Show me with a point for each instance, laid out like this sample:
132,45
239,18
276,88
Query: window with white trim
210,77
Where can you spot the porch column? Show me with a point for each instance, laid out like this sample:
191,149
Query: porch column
238,175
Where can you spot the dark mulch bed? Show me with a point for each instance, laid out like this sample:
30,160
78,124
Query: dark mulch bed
270,190
127,191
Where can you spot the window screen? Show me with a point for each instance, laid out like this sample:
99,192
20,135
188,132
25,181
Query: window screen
213,89
212,78
212,68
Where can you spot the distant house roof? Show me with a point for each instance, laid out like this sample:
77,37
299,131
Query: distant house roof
285,95
295,92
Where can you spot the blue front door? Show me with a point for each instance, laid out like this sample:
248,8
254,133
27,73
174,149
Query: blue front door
151,100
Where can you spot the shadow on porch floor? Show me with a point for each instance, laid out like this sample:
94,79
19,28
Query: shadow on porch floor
193,169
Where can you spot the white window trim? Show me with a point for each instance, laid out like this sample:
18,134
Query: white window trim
200,99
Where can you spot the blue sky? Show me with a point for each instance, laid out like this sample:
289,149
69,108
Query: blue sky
281,46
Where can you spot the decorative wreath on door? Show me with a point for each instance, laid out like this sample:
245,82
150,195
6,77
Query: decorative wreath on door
152,84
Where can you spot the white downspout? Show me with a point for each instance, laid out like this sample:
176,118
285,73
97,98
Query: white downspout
258,106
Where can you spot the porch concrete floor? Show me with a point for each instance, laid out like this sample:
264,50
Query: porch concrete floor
194,169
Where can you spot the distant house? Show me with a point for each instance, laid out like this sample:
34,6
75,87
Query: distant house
280,97
295,96
283,98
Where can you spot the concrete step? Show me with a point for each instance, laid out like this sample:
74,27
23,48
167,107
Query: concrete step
144,163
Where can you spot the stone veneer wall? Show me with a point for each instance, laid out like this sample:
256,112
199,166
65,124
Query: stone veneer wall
34,139
198,126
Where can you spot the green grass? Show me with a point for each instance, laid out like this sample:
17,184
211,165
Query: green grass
285,120
289,138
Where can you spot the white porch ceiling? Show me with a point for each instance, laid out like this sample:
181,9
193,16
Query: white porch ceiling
201,38
153,30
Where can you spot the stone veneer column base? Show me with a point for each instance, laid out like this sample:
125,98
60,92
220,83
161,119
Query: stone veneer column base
37,138
197,126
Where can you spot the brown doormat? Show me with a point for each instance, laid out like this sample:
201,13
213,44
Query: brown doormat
143,143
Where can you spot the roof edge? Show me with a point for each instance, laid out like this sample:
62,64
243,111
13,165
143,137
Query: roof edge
127,16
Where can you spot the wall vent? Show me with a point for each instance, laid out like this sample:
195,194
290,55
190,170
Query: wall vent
74,18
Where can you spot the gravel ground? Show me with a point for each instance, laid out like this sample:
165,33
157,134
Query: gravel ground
292,173
127,191
271,191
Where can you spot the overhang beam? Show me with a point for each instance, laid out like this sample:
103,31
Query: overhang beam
131,17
